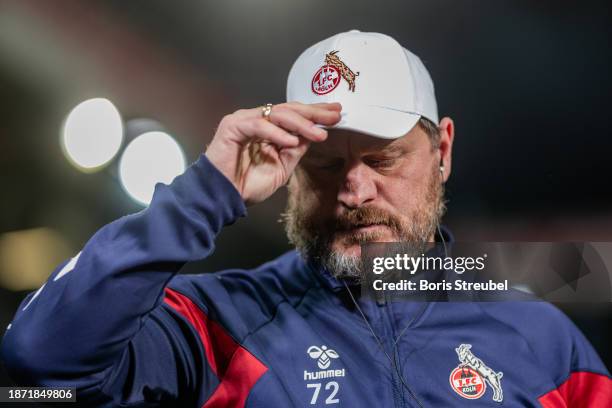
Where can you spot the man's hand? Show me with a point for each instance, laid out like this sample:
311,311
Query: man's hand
258,155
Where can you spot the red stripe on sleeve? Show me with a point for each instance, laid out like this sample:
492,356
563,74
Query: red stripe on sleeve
237,369
581,389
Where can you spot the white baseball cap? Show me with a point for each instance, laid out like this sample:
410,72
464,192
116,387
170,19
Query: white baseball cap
384,89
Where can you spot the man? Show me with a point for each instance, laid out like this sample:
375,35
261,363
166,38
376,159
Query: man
119,324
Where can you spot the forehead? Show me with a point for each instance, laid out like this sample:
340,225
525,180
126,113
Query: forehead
341,141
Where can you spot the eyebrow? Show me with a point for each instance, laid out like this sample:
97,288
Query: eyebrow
391,149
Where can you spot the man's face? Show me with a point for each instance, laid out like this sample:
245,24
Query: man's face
352,189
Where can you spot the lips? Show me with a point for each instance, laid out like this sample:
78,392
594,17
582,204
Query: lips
365,227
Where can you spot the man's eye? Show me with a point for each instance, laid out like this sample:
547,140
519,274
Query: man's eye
332,165
380,163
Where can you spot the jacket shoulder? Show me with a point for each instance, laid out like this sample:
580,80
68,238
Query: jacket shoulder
552,337
248,295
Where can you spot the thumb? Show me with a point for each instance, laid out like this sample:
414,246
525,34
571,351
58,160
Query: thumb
290,156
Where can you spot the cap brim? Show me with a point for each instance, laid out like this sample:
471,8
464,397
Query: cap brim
377,121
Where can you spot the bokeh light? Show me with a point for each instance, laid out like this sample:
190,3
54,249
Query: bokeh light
92,134
151,158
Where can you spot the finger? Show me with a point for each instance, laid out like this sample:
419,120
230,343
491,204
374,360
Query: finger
334,106
291,156
264,130
260,152
327,114
295,123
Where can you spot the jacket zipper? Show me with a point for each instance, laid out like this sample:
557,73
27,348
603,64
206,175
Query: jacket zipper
384,309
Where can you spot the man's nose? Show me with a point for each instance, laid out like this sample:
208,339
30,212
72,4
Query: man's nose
357,186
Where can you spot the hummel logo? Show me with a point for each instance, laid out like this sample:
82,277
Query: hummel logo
323,355
328,378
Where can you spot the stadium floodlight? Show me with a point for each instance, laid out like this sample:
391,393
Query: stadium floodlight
92,134
151,158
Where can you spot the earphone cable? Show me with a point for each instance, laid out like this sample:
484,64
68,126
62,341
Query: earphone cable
380,344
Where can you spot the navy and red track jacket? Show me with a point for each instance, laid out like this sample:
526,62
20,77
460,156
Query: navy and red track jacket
117,322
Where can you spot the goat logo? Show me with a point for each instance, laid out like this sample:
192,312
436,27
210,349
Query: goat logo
471,377
323,355
327,78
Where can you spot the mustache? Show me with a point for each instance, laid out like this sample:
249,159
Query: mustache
362,216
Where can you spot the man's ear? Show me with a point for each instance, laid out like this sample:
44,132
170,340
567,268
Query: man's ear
447,135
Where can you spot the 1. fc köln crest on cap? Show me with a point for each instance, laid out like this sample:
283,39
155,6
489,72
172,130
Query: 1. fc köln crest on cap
327,78
470,378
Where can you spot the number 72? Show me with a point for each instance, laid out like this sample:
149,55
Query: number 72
331,398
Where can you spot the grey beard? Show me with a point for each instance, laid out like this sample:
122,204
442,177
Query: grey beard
413,242
315,246
342,266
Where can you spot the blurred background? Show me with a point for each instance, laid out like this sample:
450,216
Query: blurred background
101,98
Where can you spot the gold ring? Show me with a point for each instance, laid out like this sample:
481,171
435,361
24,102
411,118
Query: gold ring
266,110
